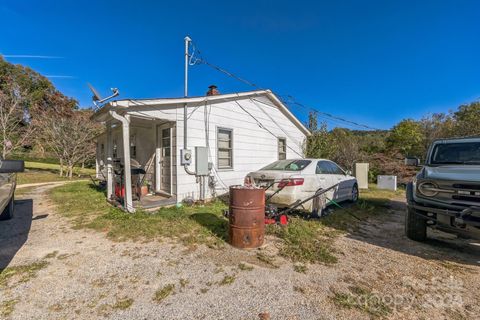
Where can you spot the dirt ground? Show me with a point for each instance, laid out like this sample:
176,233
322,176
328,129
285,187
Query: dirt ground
56,272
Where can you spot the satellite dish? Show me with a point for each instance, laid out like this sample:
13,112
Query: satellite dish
97,98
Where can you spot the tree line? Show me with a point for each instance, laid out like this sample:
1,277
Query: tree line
385,150
37,120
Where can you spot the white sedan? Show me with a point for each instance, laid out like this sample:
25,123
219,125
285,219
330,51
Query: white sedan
298,179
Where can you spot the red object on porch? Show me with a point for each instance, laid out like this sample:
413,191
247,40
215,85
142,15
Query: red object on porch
119,191
283,220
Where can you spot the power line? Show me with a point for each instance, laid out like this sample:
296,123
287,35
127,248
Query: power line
295,102
197,58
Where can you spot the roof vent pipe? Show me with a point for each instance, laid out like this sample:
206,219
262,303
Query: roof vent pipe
213,90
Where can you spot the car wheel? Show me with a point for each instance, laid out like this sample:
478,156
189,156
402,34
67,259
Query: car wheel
415,226
8,211
354,193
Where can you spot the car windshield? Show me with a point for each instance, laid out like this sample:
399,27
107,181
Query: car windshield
456,153
288,165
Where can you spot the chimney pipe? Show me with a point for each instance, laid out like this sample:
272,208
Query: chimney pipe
212,90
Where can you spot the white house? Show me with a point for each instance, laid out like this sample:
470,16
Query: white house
239,133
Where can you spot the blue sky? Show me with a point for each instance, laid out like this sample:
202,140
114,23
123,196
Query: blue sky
374,62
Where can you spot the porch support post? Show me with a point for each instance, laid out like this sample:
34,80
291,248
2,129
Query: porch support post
157,158
109,161
125,120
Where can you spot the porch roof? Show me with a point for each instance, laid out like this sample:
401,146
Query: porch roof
125,105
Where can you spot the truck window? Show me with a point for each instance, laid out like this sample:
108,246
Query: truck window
456,153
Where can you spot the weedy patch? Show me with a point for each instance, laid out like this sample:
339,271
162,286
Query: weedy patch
57,307
22,273
123,304
362,299
299,289
227,280
184,283
306,241
268,260
163,293
245,267
51,255
7,307
300,268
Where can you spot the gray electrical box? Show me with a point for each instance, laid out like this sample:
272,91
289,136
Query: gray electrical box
201,161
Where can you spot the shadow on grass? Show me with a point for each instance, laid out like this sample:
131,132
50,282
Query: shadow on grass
217,225
98,188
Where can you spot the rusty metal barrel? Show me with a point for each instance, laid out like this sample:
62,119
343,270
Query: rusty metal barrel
247,217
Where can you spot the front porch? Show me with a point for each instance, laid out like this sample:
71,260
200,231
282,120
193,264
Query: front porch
136,158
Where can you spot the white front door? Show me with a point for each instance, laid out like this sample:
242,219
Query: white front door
163,156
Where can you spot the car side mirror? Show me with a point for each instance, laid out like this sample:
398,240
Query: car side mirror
11,166
348,172
415,162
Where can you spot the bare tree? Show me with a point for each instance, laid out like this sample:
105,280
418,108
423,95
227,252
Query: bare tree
15,126
70,138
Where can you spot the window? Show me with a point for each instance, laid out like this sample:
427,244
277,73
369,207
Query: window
323,168
282,148
328,167
133,147
166,142
288,165
224,148
335,168
114,153
456,153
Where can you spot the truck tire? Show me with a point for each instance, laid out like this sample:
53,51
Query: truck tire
8,211
415,226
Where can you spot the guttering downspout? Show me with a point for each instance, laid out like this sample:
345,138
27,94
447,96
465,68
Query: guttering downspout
125,120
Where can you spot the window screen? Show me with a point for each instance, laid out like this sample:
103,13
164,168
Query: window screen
282,148
224,148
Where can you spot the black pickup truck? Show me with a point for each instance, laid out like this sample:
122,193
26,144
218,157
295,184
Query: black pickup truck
8,182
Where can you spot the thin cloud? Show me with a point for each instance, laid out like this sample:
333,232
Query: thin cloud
60,76
30,56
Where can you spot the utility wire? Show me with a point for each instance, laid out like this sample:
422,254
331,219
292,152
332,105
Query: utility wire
263,127
196,58
295,102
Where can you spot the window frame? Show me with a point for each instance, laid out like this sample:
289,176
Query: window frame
230,149
284,146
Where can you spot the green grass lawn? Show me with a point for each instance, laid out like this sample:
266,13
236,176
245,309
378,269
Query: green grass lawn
303,240
38,172
87,207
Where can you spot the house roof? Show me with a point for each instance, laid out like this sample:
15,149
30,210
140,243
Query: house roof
125,105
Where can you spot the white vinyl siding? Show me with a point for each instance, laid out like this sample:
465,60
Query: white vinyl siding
225,148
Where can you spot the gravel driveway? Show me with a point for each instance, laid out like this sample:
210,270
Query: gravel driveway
56,272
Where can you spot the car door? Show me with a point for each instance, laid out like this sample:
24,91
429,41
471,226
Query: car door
325,177
339,176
